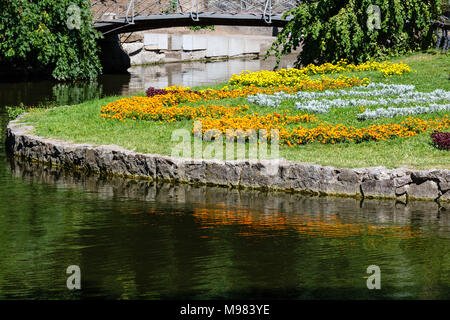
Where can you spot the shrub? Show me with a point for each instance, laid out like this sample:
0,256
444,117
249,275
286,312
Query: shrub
153,92
329,30
47,35
196,28
441,140
14,112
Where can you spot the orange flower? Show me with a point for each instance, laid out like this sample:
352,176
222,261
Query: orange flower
167,107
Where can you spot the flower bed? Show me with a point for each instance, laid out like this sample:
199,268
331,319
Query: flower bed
370,90
271,88
323,133
245,125
441,140
292,76
393,112
405,95
163,106
139,108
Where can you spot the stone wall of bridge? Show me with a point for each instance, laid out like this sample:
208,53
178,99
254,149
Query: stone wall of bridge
165,47
182,43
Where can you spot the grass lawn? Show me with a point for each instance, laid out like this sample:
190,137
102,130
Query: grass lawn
82,124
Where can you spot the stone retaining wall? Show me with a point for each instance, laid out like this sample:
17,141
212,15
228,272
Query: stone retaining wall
266,203
164,47
401,184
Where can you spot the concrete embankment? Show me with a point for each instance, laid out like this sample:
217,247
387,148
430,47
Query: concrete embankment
182,44
164,48
401,184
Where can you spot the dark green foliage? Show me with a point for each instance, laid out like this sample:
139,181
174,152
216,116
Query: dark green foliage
35,34
330,30
14,112
196,28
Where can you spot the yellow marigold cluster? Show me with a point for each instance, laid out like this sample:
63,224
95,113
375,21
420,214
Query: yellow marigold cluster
387,68
323,133
166,107
139,108
292,76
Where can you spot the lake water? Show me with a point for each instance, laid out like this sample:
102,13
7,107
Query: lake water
137,239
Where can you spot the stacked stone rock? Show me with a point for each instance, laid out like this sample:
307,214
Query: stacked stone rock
401,184
109,187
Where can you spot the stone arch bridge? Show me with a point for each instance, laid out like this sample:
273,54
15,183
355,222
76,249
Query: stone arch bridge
123,16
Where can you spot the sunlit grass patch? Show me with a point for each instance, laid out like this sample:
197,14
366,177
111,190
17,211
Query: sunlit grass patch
83,124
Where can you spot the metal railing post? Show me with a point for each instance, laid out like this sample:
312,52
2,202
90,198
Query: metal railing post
194,16
130,7
268,12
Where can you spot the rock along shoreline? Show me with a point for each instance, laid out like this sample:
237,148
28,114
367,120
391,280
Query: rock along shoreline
375,182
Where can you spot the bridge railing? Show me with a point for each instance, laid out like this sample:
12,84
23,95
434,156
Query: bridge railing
107,10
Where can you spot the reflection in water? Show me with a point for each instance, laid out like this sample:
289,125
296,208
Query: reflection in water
33,93
138,239
36,93
197,73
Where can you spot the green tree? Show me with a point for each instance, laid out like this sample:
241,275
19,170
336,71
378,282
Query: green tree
330,30
47,35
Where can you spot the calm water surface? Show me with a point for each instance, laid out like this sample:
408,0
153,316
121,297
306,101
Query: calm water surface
136,239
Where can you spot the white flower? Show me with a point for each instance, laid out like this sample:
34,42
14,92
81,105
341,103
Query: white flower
393,112
380,93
